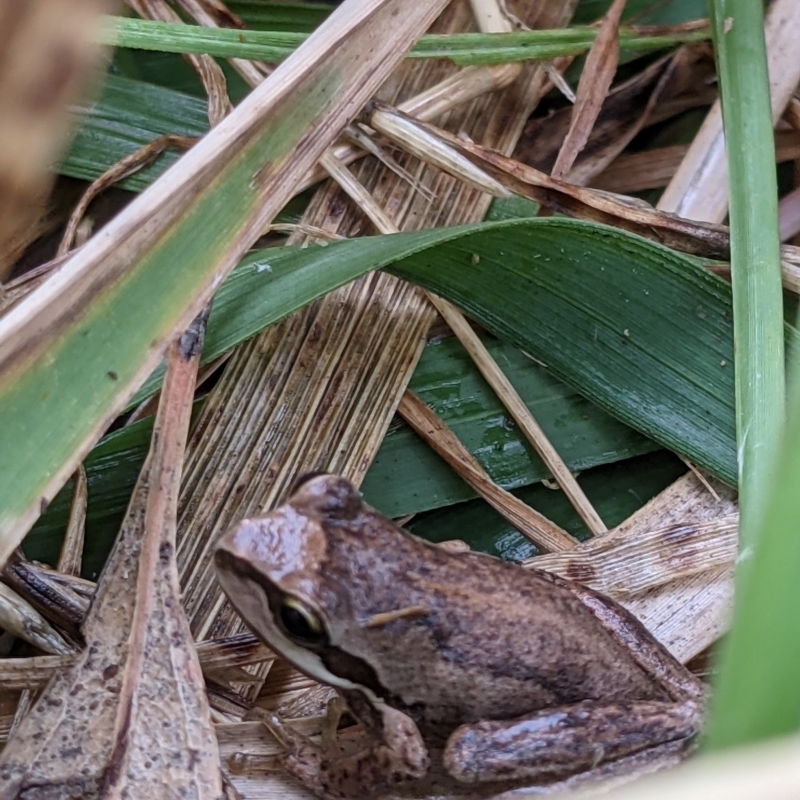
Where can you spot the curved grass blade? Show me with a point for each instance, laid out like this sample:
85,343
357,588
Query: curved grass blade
639,329
642,331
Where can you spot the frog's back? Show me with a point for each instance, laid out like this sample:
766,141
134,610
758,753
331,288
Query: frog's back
468,637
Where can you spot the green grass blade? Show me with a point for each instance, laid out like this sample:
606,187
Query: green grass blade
640,330
757,693
596,304
127,115
274,16
408,477
565,291
755,249
464,49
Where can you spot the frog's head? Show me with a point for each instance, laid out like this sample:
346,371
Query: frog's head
279,574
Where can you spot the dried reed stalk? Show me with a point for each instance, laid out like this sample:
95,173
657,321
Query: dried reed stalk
319,390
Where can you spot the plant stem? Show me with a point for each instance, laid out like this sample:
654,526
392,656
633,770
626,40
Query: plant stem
745,705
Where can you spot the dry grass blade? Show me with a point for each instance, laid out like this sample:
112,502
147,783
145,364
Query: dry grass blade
131,716
69,559
338,368
456,320
620,566
137,160
659,90
47,60
415,140
531,524
636,216
215,656
19,618
520,414
450,93
596,77
689,614
208,71
699,189
19,674
61,604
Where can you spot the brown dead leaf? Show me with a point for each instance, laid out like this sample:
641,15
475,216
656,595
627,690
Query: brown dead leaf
598,72
653,169
634,562
698,238
663,89
131,718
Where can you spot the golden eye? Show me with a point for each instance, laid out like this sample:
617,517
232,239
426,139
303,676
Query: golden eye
300,623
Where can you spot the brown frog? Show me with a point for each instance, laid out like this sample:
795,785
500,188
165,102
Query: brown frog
509,676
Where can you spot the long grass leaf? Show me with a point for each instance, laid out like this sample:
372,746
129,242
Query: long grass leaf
757,693
593,303
463,48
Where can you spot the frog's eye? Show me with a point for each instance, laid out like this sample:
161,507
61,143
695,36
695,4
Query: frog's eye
300,623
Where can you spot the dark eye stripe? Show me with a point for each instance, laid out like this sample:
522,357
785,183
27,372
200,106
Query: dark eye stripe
337,661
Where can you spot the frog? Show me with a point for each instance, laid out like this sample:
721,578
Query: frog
460,667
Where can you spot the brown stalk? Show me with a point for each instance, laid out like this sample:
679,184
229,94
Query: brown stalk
133,162
520,413
131,717
20,619
71,555
59,604
593,86
531,524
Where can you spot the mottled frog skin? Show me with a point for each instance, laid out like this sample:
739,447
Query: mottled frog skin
510,676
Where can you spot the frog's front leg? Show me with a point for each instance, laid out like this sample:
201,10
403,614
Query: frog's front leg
564,741
394,753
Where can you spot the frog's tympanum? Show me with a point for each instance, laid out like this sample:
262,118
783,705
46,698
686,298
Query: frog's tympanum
500,675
